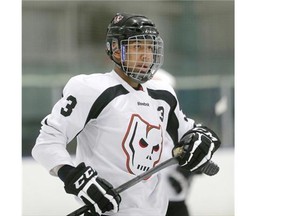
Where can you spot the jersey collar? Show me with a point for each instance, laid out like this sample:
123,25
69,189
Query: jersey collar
126,85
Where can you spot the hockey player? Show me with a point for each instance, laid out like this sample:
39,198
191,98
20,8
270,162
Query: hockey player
120,119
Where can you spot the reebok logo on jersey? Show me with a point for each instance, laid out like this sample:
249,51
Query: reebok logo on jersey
142,104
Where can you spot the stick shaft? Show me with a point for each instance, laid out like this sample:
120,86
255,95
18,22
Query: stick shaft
146,174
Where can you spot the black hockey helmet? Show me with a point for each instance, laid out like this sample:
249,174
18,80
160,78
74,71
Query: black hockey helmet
125,28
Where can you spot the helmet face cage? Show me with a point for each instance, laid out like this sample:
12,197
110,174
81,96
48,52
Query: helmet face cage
141,56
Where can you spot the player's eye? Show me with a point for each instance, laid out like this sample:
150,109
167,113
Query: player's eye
150,47
137,46
143,143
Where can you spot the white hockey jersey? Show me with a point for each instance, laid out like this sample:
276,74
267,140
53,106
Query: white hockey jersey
121,132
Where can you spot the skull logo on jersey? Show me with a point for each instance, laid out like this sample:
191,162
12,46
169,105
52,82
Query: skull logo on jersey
142,145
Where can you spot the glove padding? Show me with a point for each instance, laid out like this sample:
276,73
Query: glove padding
199,144
95,192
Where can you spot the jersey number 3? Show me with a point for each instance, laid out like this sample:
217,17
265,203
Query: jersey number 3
66,111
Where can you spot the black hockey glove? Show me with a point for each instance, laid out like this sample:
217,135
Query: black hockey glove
198,144
95,192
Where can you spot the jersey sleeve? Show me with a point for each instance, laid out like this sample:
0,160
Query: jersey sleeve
185,123
66,120
178,123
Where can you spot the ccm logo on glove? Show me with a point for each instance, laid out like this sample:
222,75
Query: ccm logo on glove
79,182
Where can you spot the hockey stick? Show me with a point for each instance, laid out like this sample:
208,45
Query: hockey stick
209,169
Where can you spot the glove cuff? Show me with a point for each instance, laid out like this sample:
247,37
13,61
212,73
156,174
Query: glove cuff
64,171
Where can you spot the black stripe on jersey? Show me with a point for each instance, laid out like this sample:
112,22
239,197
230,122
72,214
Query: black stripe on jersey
173,123
104,99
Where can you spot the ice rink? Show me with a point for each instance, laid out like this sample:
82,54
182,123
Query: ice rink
43,194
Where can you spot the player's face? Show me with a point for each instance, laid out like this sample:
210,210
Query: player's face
139,55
